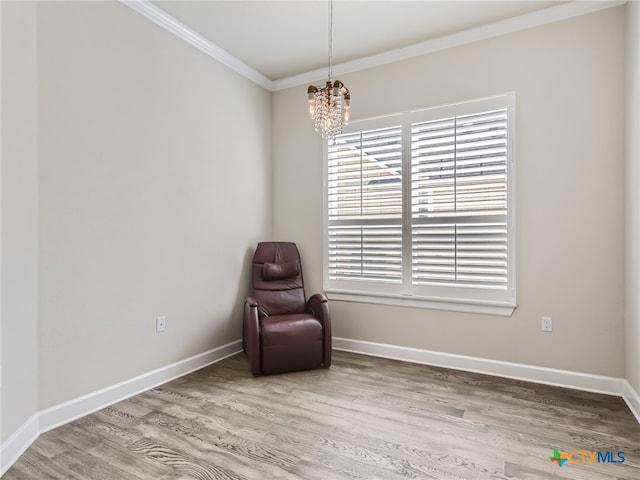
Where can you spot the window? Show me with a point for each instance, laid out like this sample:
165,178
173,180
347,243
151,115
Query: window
419,209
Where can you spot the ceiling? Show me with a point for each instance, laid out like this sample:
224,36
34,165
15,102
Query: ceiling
286,39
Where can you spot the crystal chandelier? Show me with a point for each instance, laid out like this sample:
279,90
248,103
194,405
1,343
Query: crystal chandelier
329,104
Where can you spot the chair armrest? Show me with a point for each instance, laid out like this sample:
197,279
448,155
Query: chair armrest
251,334
318,306
320,297
251,301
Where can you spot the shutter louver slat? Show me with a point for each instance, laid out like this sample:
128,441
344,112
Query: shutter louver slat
419,213
459,172
366,253
460,254
365,206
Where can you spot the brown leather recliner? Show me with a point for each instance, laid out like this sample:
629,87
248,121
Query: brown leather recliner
283,332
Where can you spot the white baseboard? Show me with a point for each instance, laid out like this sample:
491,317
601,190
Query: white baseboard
66,412
58,415
18,442
530,373
632,398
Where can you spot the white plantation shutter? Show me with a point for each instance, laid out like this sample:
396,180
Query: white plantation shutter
365,206
459,200
473,254
420,208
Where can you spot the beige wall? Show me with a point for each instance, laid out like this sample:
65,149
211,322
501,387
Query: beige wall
19,217
569,81
136,179
154,178
632,333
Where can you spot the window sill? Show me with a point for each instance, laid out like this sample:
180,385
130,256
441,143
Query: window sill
447,304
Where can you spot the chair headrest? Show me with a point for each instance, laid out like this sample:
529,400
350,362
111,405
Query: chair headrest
279,271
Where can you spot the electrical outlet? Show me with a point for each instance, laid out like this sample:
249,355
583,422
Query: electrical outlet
161,324
547,324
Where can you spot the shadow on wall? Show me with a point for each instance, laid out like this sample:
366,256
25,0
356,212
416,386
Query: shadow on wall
242,292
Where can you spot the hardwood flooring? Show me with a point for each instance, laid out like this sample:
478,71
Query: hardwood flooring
365,418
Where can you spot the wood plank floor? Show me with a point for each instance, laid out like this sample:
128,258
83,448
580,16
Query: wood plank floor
365,418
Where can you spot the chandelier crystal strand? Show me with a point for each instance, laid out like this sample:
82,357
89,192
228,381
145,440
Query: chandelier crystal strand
329,104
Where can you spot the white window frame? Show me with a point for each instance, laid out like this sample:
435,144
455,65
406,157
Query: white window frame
452,298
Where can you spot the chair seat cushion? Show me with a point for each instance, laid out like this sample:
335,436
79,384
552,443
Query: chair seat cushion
288,329
290,343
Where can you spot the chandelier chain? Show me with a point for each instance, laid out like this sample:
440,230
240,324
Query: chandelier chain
330,53
329,104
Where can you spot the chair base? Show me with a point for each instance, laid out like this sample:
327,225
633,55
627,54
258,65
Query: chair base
290,343
291,358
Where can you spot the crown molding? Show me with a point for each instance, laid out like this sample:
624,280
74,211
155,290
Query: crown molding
522,22
180,30
556,13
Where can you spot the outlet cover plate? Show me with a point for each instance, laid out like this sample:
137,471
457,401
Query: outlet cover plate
161,324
